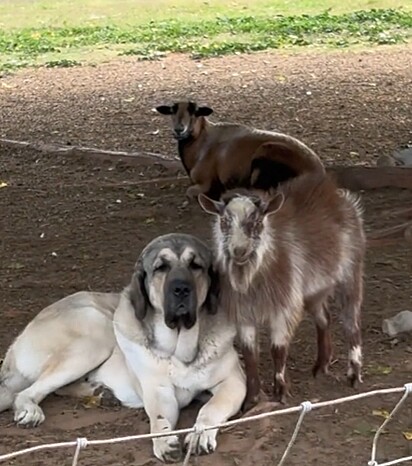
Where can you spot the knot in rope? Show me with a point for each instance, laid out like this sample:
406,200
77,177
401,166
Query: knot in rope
306,406
408,388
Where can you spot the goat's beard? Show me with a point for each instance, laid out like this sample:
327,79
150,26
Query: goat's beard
241,275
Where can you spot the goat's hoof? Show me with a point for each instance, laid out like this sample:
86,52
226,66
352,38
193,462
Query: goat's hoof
250,402
354,378
281,394
261,407
321,368
325,370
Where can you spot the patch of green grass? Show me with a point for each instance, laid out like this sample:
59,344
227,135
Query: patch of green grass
18,14
206,37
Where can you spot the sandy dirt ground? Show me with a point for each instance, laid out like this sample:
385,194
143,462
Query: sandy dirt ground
70,223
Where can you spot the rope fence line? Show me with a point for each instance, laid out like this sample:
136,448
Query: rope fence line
303,409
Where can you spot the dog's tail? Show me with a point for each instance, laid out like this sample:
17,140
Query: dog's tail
11,382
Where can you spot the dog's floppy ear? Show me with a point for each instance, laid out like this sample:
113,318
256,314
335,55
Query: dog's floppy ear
138,294
212,298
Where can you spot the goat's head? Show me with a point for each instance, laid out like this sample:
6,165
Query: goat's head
241,225
185,118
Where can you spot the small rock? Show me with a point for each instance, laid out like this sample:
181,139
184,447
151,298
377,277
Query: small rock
400,323
404,156
385,161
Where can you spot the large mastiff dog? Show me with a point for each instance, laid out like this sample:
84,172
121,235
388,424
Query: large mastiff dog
158,344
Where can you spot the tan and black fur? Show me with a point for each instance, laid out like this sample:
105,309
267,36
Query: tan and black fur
222,156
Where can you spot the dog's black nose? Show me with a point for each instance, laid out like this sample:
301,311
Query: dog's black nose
181,289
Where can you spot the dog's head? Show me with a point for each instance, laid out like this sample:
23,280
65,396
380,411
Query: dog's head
175,275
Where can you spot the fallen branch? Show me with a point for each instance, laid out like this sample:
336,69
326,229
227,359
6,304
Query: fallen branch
364,178
120,184
351,177
402,212
134,158
390,234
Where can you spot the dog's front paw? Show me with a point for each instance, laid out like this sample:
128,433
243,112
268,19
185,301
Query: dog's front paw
27,413
201,443
168,449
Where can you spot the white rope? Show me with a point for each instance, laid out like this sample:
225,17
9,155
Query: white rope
197,432
398,461
82,442
408,391
301,408
306,408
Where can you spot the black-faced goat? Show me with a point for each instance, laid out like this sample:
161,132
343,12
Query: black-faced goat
222,156
282,254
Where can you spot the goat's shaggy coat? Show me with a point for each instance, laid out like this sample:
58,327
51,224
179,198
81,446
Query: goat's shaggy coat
285,254
221,156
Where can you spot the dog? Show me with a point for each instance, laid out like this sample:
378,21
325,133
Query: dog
158,344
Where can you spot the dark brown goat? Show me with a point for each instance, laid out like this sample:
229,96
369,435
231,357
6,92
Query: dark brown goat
282,254
221,156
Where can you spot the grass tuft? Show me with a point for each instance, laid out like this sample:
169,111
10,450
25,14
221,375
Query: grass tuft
205,38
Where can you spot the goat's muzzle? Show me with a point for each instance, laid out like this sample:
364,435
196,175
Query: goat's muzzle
180,133
240,255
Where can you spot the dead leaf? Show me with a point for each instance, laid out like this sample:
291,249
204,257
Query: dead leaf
91,402
407,435
379,370
129,99
381,413
3,184
149,220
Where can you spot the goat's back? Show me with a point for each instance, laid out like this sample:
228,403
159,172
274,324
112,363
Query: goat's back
322,223
231,152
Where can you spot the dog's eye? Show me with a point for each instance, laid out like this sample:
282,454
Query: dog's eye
195,266
161,267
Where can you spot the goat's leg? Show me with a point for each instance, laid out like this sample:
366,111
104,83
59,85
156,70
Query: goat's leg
283,325
350,296
317,307
250,353
324,341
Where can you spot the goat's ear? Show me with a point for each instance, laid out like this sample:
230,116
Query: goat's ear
273,204
138,294
209,205
203,111
212,298
164,109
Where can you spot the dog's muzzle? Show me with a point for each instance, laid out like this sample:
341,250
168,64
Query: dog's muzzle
180,303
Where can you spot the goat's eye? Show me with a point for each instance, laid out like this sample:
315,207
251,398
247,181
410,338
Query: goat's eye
195,266
161,267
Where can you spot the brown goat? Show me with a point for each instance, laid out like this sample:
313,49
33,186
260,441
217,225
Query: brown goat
222,156
282,254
